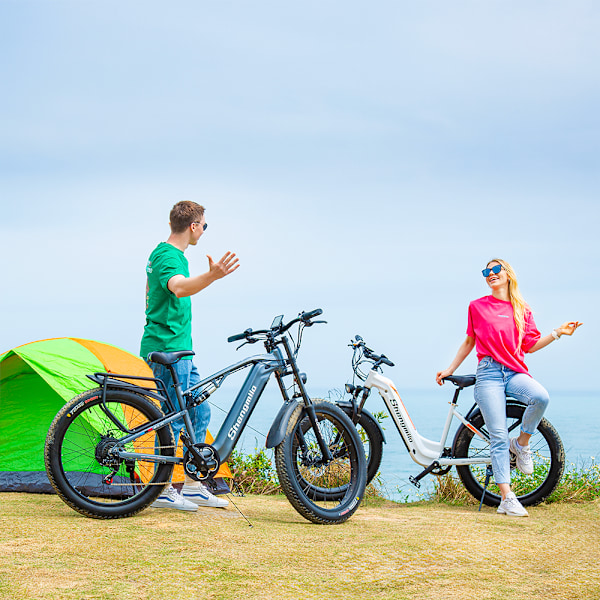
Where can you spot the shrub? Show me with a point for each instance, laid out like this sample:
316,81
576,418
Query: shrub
254,473
576,485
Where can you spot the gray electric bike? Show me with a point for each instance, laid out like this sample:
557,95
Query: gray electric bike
110,451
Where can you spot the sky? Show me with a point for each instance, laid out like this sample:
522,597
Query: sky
364,158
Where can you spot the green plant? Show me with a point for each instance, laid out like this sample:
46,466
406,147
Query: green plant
254,473
578,484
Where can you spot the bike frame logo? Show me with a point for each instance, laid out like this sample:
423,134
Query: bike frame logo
399,416
233,431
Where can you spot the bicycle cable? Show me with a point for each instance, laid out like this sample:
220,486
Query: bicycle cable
226,412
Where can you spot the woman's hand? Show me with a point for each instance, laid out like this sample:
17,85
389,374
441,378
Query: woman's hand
441,374
568,328
463,352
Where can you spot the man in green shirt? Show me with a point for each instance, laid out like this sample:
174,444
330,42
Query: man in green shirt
169,328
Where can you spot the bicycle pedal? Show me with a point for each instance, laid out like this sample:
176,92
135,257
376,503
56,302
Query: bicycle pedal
415,482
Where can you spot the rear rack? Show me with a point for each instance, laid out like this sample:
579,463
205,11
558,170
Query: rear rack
114,380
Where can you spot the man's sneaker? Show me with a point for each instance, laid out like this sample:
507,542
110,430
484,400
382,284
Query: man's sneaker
523,454
511,507
200,496
170,498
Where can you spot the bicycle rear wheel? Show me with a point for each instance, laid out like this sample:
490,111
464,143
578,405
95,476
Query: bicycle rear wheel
324,492
547,452
81,468
372,441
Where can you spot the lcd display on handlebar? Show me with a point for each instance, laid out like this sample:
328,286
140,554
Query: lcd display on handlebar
277,321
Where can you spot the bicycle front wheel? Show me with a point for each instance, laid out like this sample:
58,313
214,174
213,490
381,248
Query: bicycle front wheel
546,449
322,491
81,467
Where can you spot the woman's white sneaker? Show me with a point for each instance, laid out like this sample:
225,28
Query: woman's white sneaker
200,496
523,454
511,507
170,498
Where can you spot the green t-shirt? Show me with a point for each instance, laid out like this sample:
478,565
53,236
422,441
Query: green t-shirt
168,318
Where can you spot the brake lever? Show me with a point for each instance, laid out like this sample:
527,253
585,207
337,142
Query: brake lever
311,323
248,341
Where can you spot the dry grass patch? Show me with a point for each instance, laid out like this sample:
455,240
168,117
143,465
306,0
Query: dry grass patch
385,551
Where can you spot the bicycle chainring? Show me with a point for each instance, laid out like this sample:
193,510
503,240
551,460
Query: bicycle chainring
203,467
441,470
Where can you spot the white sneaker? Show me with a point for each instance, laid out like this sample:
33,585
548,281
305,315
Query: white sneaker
170,498
511,507
523,454
200,496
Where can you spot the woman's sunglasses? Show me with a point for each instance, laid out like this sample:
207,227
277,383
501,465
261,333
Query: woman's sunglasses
495,270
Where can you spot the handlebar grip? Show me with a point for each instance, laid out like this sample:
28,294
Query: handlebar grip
305,316
239,336
386,361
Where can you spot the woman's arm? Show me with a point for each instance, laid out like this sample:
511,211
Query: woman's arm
463,352
567,328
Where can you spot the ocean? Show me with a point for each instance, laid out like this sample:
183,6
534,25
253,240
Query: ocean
575,415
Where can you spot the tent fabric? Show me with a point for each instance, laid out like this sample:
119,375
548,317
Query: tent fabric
36,379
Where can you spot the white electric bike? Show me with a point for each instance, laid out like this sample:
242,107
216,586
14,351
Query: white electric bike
469,451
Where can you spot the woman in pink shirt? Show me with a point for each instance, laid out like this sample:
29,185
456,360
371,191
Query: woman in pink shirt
501,329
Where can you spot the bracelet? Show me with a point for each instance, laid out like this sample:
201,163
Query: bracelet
554,334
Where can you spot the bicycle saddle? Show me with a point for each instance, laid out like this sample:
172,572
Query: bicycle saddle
168,358
461,381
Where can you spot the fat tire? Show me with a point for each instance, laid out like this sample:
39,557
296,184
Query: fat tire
373,453
338,507
374,438
86,407
462,448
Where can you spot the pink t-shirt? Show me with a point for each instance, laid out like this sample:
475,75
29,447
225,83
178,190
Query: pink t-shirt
492,324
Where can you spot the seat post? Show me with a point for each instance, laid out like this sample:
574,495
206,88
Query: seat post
176,386
455,398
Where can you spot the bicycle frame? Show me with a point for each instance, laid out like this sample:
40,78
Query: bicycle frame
237,418
422,450
262,367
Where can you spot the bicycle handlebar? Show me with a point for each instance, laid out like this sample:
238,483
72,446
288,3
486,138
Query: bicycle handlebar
305,317
369,354
239,336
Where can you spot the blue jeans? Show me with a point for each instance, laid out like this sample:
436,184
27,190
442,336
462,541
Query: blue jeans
494,383
188,376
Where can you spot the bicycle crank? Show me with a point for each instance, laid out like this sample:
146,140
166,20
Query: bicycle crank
201,461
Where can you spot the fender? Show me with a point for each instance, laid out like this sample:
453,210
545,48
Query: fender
347,407
474,411
279,426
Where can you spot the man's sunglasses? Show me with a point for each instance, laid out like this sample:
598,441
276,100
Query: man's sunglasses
495,270
198,223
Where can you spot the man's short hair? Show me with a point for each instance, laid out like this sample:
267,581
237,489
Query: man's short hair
183,214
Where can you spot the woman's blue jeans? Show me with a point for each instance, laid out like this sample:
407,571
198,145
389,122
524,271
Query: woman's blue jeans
494,383
188,376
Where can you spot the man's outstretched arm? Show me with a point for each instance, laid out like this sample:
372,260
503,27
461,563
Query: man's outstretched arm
188,286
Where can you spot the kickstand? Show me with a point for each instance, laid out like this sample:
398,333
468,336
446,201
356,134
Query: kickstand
488,475
241,513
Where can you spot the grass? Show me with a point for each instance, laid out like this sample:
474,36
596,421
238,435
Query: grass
578,484
387,550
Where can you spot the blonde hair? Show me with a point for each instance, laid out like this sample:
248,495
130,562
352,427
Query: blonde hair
516,299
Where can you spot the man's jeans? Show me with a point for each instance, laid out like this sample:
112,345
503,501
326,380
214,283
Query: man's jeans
188,376
494,383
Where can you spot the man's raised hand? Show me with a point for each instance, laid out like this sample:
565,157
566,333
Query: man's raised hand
227,265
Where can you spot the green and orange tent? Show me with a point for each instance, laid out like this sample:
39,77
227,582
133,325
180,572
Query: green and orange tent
36,379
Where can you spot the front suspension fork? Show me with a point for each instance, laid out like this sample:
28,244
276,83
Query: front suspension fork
309,407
